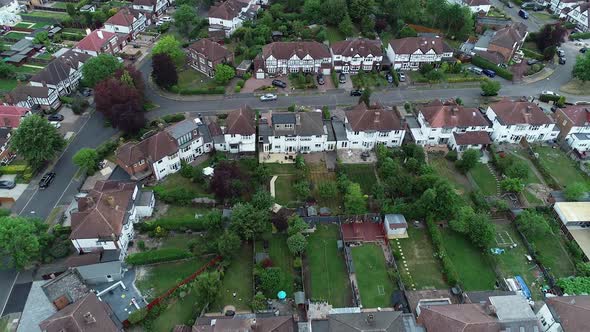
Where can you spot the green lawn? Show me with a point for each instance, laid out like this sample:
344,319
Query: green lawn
237,278
334,34
192,79
474,270
160,278
418,253
16,35
277,169
561,167
554,255
281,257
532,199
543,16
179,312
362,174
28,69
178,241
284,189
485,180
532,177
47,14
446,169
177,181
368,80
24,25
6,85
4,324
374,284
329,278
40,25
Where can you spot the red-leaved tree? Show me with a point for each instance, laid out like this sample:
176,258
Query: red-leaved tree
164,70
228,181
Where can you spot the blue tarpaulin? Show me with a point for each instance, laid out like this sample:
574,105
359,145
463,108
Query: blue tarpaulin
525,290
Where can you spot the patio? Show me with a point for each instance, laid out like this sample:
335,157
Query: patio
356,157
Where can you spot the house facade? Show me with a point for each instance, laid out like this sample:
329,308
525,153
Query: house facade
476,140
580,16
292,133
126,21
151,7
367,127
500,46
353,55
281,58
239,134
574,127
514,120
28,96
9,12
412,52
476,6
558,6
565,313
62,75
204,55
228,15
100,41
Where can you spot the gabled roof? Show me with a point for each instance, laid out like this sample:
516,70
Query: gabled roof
102,213
227,10
182,128
457,318
22,93
150,149
96,40
472,138
374,118
508,36
144,2
579,115
59,69
520,112
285,50
381,321
410,45
241,122
124,17
88,314
360,46
572,312
210,49
10,116
226,324
310,123
449,114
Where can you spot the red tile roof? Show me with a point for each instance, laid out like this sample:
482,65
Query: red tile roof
410,45
360,46
579,115
449,114
95,40
477,2
89,314
472,138
150,149
375,118
210,49
227,10
457,317
124,17
572,311
10,116
241,122
285,50
520,112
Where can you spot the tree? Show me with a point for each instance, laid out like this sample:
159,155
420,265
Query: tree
327,189
262,200
86,158
407,31
271,280
21,239
345,26
296,225
99,68
228,244
42,38
121,103
7,70
258,302
297,244
169,45
224,73
462,220
355,201
334,12
366,97
551,35
301,189
481,231
512,185
249,222
226,181
184,17
360,9
581,69
575,191
532,223
312,10
517,169
490,87
468,160
36,140
206,286
131,117
164,71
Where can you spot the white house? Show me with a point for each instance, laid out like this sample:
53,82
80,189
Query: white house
439,120
574,124
410,53
229,15
126,21
370,126
515,120
281,58
352,55
239,134
395,226
151,7
565,313
469,140
476,6
557,6
292,133
105,217
62,74
9,12
580,16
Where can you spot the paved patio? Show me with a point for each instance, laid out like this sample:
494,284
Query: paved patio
354,157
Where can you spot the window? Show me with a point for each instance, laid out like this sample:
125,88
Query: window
233,135
318,145
446,130
356,132
383,134
159,162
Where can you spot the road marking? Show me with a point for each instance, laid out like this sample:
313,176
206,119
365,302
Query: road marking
29,201
10,293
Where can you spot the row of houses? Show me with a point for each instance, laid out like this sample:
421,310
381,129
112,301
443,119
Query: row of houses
574,11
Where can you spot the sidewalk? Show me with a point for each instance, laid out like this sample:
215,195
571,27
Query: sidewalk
543,74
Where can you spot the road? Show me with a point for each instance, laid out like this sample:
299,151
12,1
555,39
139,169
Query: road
533,24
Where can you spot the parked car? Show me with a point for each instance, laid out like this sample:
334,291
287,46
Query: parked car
475,70
55,117
46,180
562,60
356,93
321,80
489,72
268,97
561,53
56,124
531,62
549,93
522,13
165,19
279,83
5,184
342,78
402,77
583,50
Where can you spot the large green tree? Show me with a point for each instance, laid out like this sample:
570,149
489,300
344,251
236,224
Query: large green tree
224,73
21,239
184,18
297,243
355,201
99,68
582,67
86,158
228,244
207,286
490,87
36,140
169,45
468,160
532,223
248,221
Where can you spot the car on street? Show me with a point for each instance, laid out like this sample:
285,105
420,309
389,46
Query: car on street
268,97
522,13
583,50
46,180
531,62
356,93
562,60
549,93
561,53
402,77
489,73
6,184
56,124
342,78
55,117
475,70
279,84
321,80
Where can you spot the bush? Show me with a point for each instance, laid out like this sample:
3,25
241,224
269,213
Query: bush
448,268
174,224
580,35
179,196
452,155
137,315
66,100
60,249
485,64
13,169
335,79
157,256
548,98
171,118
532,54
106,148
218,90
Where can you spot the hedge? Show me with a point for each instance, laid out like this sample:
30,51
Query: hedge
218,90
448,268
157,256
174,224
532,54
180,196
465,79
14,169
171,118
545,173
580,35
484,63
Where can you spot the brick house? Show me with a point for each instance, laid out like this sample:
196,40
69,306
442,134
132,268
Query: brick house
499,46
100,41
412,52
205,54
281,58
574,125
352,55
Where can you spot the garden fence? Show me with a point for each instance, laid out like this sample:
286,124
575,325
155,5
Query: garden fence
548,276
50,9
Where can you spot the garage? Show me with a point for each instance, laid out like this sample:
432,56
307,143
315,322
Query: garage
260,74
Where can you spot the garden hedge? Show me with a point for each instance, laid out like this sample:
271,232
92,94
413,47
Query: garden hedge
171,118
179,196
448,268
219,90
486,64
157,256
174,224
532,54
580,35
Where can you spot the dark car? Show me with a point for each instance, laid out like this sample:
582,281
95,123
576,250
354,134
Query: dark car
356,93
531,62
523,14
279,83
321,80
5,184
342,78
562,60
583,50
489,72
55,117
46,180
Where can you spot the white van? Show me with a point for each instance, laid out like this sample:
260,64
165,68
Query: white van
475,70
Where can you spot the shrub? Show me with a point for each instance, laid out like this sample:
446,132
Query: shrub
237,89
448,268
174,224
13,169
106,148
66,100
452,155
532,54
484,63
335,79
548,98
157,256
179,196
137,316
141,245
171,118
60,249
218,90
580,35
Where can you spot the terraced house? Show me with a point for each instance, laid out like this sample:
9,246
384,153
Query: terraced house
292,133
292,57
367,127
151,7
412,52
352,55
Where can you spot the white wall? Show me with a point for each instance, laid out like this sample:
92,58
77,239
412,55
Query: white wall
244,143
514,133
426,135
9,14
87,245
296,144
548,323
413,61
364,140
166,165
578,144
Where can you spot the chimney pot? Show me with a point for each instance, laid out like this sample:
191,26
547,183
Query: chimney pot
454,111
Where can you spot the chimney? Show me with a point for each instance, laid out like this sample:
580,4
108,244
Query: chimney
99,33
528,109
454,111
88,318
402,122
371,319
297,119
111,201
377,116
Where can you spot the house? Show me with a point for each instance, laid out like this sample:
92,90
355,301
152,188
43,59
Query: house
500,46
565,313
461,142
476,6
291,133
204,55
28,96
412,52
368,126
88,9
396,226
97,267
62,74
100,41
558,6
9,12
575,220
151,7
580,16
237,323
513,120
6,155
352,55
88,314
189,142
438,121
281,58
228,15
239,134
126,21
11,116
105,217
574,127
65,289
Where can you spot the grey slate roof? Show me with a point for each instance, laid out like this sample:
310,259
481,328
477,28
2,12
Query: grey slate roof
144,198
283,118
93,271
59,69
310,123
339,130
204,132
181,128
331,135
390,321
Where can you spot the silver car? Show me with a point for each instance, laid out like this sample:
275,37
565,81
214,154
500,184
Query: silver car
268,97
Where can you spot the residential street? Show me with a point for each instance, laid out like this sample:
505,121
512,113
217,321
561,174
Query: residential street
533,24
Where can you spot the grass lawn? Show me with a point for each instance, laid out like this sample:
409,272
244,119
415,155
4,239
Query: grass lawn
329,278
24,25
277,169
532,178
554,255
192,79
561,167
28,69
318,174
532,199
177,181
46,14
284,189
334,34
45,56
575,87
368,80
543,16
236,278
485,180
363,174
4,324
446,169
281,257
6,85
160,278
473,269
177,241
16,35
374,284
424,268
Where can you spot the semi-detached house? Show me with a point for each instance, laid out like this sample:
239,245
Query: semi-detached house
29,96
229,15
127,22
580,16
204,55
476,6
100,41
574,125
412,52
239,134
151,7
281,58
292,133
353,55
367,127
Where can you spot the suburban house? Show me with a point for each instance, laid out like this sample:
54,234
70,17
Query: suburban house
88,314
126,21
476,6
9,12
367,127
6,155
205,54
151,7
239,133
352,55
104,218
98,267
62,74
412,52
11,116
558,6
100,41
513,120
28,96
292,133
187,139
281,58
226,324
575,220
565,313
469,140
500,46
228,15
574,127
437,122
580,16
